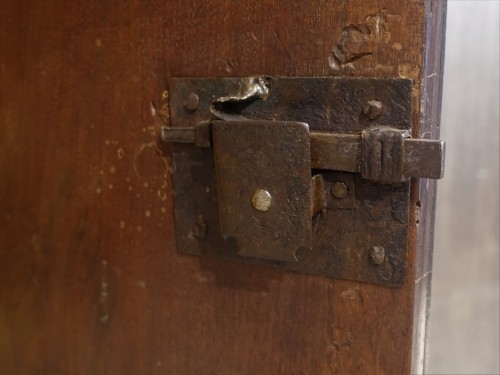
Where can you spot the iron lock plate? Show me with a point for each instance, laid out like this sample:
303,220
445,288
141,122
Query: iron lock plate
307,174
263,174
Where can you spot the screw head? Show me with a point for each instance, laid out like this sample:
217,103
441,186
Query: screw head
262,200
340,190
377,255
373,109
192,102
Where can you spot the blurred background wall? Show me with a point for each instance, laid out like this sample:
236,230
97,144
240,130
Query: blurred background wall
464,327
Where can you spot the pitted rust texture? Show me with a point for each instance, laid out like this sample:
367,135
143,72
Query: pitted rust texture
344,233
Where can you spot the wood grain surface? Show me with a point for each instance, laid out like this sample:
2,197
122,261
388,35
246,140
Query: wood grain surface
90,282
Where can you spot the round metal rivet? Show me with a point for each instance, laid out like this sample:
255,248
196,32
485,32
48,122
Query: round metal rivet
373,109
192,102
340,190
261,200
377,255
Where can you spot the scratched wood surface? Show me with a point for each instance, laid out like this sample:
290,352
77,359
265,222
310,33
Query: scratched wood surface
90,282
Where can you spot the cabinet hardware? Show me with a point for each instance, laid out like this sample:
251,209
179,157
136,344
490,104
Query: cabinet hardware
308,174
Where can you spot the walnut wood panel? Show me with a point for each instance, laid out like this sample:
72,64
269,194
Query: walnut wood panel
90,282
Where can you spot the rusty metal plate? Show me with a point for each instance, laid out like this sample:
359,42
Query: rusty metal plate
324,103
361,236
263,174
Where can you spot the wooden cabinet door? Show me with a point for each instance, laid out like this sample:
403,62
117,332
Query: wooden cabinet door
90,280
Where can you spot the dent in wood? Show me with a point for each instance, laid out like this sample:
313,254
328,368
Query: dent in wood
343,339
352,295
360,40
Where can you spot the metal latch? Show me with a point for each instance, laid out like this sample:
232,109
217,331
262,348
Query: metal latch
309,174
